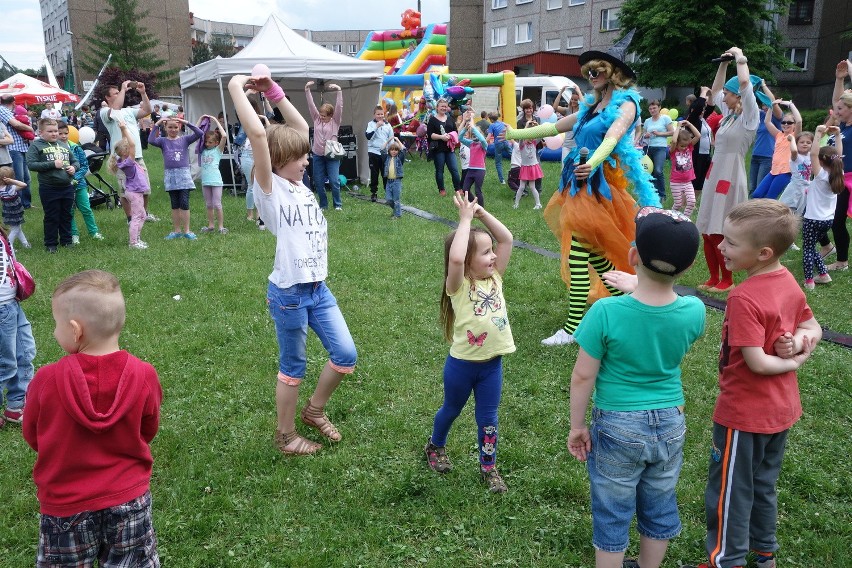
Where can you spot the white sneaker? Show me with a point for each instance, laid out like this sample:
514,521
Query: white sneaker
151,217
822,279
537,206
514,206
75,240
98,237
139,245
561,337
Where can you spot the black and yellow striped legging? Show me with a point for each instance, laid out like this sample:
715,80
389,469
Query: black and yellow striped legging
579,260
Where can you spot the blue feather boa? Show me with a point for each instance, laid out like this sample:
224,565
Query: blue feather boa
629,157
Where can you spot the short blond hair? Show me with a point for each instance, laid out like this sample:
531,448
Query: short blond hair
766,223
93,297
286,144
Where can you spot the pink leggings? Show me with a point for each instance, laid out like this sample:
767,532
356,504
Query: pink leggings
212,196
137,214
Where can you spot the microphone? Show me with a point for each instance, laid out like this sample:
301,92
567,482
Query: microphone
584,155
726,57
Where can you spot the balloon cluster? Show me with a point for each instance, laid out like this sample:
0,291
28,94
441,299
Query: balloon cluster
410,19
455,91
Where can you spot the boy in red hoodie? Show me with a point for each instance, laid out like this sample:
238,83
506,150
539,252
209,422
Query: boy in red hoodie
22,117
91,417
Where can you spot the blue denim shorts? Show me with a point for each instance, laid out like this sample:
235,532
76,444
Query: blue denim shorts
633,467
298,307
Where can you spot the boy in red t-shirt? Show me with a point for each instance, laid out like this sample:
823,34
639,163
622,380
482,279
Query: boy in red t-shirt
768,333
91,417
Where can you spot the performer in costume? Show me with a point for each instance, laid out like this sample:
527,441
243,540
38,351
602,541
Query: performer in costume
593,214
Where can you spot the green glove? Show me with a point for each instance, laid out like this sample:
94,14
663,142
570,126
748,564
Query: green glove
603,151
540,131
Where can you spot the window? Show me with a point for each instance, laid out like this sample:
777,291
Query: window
523,1
576,2
552,44
497,4
798,57
337,48
498,36
574,42
523,33
801,12
554,4
352,49
609,20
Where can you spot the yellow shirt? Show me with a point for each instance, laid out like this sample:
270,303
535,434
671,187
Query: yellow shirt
481,330
392,169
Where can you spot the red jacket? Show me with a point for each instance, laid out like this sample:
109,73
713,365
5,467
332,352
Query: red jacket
91,418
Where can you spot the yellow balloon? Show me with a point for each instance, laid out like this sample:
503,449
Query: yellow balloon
664,111
673,113
647,164
73,134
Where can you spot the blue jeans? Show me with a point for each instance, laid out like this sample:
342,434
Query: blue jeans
449,159
22,173
298,307
771,186
658,157
325,167
634,466
17,351
246,165
485,381
499,148
760,166
393,193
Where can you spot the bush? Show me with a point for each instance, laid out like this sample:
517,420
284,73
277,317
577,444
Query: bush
813,118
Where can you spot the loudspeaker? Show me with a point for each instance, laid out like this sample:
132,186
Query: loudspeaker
234,180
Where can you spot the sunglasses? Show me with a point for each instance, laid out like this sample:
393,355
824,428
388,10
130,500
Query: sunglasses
787,122
593,73
676,215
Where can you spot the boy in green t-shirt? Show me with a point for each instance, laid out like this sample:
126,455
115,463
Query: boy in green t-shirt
631,348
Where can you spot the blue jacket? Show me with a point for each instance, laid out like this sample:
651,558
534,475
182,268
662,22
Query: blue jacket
399,162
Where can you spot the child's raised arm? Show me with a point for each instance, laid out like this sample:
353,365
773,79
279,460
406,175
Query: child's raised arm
816,168
767,119
458,248
275,94
501,234
794,151
223,136
12,181
254,130
125,136
675,137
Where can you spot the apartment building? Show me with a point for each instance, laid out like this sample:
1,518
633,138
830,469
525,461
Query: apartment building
206,31
66,22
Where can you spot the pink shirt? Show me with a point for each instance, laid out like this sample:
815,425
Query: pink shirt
682,170
781,156
324,130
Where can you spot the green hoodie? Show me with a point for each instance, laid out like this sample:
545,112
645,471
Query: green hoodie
41,158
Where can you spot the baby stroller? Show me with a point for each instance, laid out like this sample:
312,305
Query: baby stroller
100,190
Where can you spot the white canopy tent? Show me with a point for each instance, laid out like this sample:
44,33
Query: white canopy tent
293,61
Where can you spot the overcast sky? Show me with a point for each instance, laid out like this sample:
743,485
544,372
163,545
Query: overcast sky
21,35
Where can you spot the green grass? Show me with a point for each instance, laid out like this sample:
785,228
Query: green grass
224,497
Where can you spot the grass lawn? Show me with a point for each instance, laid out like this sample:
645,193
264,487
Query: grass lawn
223,496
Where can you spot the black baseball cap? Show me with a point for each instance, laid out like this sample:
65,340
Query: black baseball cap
667,240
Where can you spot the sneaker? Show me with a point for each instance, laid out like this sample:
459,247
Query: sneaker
206,229
191,236
822,279
98,237
174,235
75,239
151,218
338,208
494,481
26,245
537,206
838,266
138,245
223,231
764,561
629,563
437,458
809,285
514,205
14,415
373,198
442,193
561,337
260,224
51,250
794,246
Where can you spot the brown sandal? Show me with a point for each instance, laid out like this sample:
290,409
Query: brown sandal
301,447
316,418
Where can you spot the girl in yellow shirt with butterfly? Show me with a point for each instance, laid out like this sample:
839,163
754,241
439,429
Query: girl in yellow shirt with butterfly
473,314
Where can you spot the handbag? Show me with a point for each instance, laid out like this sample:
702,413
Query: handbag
334,149
25,280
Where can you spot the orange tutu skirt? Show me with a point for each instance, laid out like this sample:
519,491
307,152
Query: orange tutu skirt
606,228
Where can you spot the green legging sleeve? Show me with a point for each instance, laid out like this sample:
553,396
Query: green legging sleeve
540,131
603,151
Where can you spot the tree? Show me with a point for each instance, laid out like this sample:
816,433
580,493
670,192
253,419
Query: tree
220,46
676,40
131,45
113,76
200,53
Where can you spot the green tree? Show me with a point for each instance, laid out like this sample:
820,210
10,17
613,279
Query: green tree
131,45
200,53
676,40
220,46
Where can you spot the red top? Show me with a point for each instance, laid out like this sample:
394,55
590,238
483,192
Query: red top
91,418
759,311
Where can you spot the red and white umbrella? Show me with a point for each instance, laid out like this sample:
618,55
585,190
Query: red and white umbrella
29,91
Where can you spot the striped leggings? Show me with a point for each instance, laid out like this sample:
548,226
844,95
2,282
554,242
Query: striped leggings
579,260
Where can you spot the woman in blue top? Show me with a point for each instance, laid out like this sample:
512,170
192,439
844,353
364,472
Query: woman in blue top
592,214
657,130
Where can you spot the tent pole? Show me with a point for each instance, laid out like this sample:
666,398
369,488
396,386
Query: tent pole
227,138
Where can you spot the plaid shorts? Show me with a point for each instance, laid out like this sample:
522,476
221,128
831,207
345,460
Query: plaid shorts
118,536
